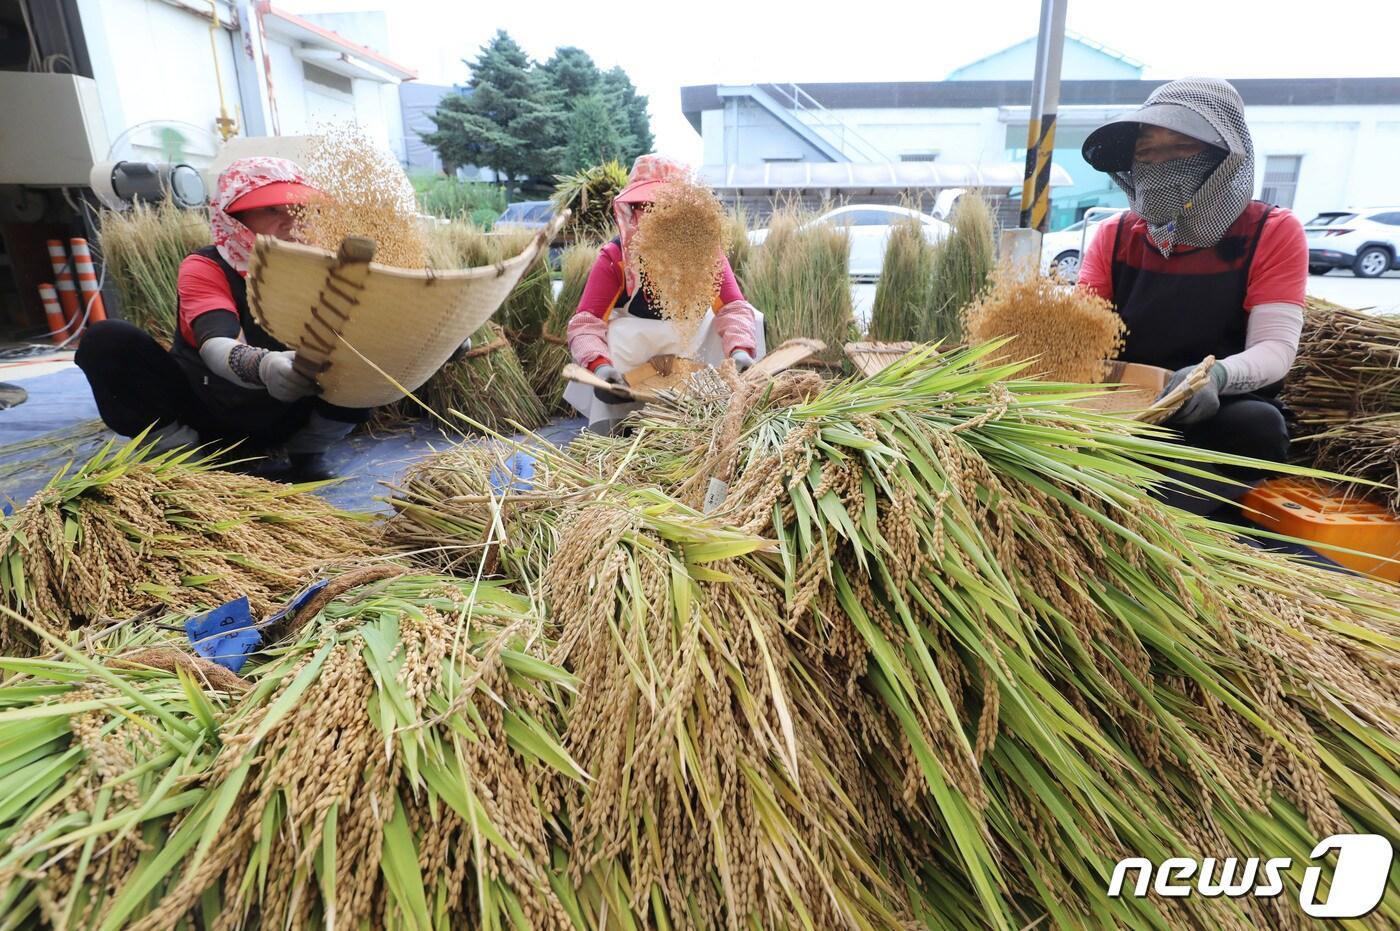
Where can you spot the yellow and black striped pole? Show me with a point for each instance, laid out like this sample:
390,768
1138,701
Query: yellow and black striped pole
1045,102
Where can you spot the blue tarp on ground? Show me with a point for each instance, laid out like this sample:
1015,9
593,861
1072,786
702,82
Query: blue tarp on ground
62,401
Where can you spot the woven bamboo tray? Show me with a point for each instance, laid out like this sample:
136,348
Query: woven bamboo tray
873,358
369,333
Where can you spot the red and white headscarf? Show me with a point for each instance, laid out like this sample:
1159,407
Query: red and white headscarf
649,174
234,240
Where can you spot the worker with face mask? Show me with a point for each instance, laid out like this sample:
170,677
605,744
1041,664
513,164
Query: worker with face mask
616,327
1198,268
224,379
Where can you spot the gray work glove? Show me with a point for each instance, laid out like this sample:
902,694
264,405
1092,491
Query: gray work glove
612,376
283,381
742,359
1204,404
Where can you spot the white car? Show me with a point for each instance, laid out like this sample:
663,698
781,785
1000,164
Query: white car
1364,239
869,226
1061,250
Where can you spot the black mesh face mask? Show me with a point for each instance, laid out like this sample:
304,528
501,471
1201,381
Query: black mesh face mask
1164,194
1193,201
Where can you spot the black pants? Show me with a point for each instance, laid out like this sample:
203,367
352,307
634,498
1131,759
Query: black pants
1247,425
137,384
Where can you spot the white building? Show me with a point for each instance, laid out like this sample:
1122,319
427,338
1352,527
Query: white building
1320,143
165,65
90,81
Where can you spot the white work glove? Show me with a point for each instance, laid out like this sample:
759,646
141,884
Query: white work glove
742,360
283,381
612,376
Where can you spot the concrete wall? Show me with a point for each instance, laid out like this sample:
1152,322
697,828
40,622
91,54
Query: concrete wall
1348,154
153,63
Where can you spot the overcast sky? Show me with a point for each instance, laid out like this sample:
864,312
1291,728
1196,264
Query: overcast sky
665,46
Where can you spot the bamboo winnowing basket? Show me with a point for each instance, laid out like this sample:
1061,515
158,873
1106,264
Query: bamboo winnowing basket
358,326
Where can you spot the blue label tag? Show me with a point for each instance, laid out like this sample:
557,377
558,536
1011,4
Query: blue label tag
516,474
225,635
295,604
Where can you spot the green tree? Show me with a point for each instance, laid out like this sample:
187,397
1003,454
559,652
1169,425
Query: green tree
504,120
635,124
594,137
529,122
572,71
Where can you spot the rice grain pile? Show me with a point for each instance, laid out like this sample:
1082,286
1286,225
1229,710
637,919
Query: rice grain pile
364,192
678,248
1069,334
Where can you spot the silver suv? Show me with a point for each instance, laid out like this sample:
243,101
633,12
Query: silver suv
1364,239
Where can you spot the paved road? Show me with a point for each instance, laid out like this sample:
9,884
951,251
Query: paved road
1381,294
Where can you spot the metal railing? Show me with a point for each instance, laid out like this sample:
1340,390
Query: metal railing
822,120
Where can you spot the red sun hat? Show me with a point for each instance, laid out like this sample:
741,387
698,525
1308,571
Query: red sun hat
650,173
273,194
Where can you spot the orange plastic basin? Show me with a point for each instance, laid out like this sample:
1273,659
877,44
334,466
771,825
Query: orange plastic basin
1309,511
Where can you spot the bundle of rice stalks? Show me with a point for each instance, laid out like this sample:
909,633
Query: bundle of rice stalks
550,353
364,192
589,195
677,250
121,534
383,771
728,791
488,383
1068,334
459,244
529,305
736,238
99,758
1345,390
799,278
965,264
1050,671
470,510
905,306
142,249
428,814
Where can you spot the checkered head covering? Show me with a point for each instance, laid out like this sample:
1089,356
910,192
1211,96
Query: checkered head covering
1193,201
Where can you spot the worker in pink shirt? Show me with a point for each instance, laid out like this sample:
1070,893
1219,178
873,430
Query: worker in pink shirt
617,328
1198,268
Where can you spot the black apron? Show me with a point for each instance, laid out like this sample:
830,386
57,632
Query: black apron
1179,310
637,304
230,411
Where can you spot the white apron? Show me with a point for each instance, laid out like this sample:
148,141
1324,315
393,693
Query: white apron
632,341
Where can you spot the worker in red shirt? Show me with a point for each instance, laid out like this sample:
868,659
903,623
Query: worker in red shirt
224,380
616,327
1198,268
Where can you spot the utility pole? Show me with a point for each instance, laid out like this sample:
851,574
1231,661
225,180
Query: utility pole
1045,102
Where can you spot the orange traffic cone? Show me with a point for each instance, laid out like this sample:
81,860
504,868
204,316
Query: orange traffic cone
58,327
63,281
87,282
